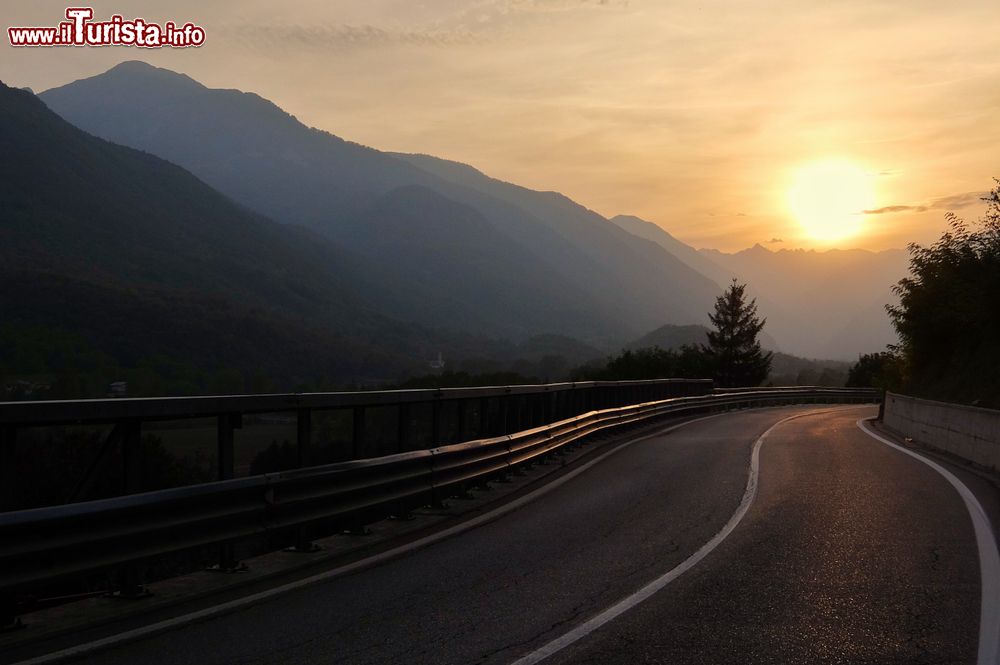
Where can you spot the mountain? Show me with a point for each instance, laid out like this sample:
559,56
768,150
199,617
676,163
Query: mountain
687,254
141,259
831,302
789,370
638,280
546,262
673,337
826,304
670,337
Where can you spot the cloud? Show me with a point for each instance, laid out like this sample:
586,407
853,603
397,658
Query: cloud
340,36
895,208
560,5
953,202
956,201
774,241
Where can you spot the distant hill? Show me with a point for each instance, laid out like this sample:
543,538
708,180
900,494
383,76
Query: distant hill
142,259
673,337
548,263
789,370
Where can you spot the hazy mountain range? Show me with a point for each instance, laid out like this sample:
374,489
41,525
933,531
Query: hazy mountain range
827,304
821,304
258,232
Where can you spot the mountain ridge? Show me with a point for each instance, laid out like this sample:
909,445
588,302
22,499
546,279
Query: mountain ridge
125,247
273,164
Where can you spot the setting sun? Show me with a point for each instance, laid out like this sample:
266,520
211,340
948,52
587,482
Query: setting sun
828,198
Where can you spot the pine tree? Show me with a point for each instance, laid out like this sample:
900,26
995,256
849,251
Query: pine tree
733,348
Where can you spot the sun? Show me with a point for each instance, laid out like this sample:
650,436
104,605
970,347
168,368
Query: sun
829,197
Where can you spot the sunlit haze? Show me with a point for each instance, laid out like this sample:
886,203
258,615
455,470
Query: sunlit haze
849,124
829,199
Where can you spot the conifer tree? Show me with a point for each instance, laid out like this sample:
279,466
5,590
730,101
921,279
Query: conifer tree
733,348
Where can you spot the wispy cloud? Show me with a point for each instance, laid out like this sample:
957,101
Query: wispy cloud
953,202
896,208
341,37
957,201
560,5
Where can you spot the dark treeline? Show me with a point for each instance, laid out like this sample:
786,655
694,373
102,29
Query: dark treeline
460,379
40,362
650,363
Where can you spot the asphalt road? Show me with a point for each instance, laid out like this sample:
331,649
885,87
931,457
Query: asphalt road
850,553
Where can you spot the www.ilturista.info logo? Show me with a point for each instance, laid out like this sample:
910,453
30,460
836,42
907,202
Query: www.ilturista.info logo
80,30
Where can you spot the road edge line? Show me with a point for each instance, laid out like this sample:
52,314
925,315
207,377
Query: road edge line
989,555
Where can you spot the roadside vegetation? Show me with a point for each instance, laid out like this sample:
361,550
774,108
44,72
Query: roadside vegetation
947,319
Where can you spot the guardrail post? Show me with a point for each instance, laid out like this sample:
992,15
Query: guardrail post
484,420
132,457
462,415
436,422
357,432
502,412
131,574
402,426
226,458
303,437
225,444
303,441
8,468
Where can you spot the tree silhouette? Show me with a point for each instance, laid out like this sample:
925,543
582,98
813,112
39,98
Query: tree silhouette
877,370
948,316
733,348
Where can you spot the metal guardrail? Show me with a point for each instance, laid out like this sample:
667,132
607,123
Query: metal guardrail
45,545
827,389
76,412
413,419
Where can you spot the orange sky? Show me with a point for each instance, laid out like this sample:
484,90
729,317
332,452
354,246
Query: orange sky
692,114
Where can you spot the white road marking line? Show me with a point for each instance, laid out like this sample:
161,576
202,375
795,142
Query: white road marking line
989,557
659,583
173,623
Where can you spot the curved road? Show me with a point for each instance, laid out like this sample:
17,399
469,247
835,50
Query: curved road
851,552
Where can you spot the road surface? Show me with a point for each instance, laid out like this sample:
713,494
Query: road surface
850,552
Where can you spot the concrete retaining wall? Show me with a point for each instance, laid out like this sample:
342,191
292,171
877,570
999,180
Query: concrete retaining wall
969,432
